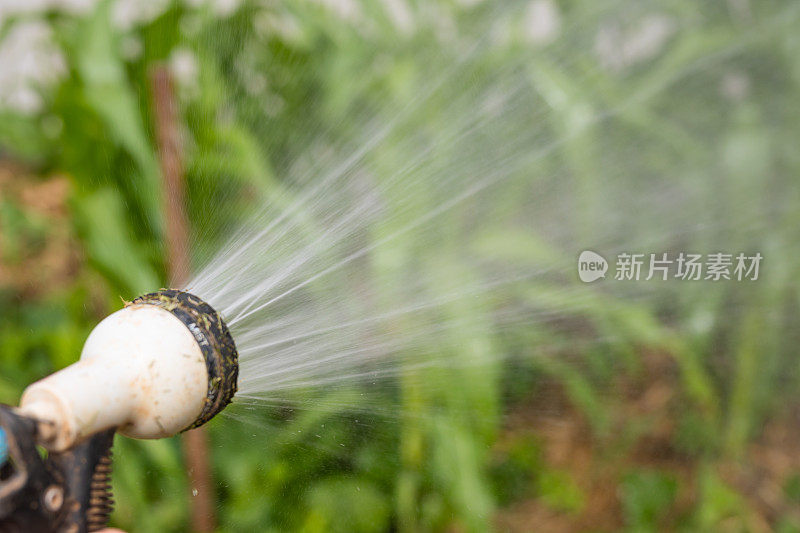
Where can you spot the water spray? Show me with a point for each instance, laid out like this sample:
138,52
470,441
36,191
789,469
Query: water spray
163,364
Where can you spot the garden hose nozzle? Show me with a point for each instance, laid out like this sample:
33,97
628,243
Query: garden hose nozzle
163,364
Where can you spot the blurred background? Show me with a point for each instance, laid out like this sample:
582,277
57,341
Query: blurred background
658,126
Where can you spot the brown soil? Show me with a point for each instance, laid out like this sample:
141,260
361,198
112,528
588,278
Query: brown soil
597,464
52,256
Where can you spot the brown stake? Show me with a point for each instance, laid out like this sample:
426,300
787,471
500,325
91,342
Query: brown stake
195,442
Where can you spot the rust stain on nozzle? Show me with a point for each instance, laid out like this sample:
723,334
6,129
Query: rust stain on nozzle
214,339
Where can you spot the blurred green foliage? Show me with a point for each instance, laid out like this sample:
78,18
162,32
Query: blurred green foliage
268,81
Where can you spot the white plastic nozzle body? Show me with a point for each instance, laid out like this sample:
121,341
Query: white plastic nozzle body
141,371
